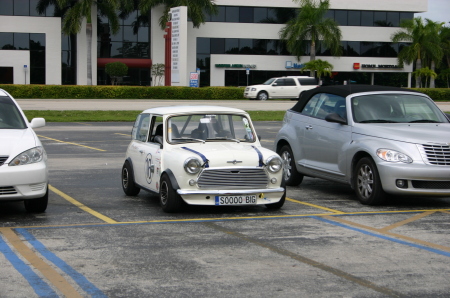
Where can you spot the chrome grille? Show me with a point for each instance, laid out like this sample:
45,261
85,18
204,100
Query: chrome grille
233,178
3,159
7,190
435,154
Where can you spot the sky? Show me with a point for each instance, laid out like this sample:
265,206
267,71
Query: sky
438,11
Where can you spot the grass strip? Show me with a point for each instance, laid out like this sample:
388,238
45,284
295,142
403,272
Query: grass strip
123,116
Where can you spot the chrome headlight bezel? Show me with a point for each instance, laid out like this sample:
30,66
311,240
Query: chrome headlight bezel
274,164
390,155
30,156
192,165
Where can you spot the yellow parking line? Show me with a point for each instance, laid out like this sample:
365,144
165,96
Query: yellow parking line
406,221
445,211
315,206
122,134
81,206
70,143
46,270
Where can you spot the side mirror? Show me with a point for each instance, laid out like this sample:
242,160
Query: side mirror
37,122
333,117
159,140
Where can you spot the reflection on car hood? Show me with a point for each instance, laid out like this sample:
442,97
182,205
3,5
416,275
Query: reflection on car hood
418,133
15,141
227,154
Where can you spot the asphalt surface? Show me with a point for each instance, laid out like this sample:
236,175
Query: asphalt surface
94,241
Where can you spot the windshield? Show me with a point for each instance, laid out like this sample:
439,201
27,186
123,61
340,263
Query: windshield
209,127
10,117
395,108
268,82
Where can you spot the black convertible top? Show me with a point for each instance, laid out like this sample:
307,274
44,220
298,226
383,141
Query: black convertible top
344,91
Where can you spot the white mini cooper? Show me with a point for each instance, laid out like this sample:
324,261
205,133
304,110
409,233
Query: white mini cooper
201,155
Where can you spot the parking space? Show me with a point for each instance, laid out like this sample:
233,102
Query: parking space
93,241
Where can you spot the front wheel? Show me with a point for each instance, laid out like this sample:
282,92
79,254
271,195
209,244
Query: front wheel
169,199
291,176
367,183
128,185
38,205
262,95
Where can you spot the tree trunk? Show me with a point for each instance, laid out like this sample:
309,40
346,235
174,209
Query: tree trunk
312,57
418,78
89,52
433,67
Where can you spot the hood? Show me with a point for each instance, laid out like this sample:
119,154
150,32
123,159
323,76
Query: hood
227,154
417,133
16,141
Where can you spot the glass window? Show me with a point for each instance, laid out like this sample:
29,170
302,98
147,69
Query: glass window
246,46
329,14
37,41
354,18
21,8
217,45
289,82
130,18
143,34
33,8
379,18
341,17
246,14
6,9
203,45
260,15
393,19
141,128
406,16
10,116
128,34
367,18
220,16
232,14
116,50
322,104
37,59
22,41
65,58
366,49
232,46
353,48
6,41
118,36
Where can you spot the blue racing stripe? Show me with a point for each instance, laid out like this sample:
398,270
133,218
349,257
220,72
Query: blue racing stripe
259,156
40,287
205,160
436,251
82,281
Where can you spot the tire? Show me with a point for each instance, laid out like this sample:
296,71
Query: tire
128,185
367,183
290,174
38,205
169,199
279,204
262,95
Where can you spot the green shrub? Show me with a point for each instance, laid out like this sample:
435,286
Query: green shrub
437,94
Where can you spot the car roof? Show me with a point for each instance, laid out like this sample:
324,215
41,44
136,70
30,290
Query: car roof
344,91
185,109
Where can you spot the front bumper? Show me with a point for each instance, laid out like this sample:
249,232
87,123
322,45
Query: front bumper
250,94
207,197
420,178
23,182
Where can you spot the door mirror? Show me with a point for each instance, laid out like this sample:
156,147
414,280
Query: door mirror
333,117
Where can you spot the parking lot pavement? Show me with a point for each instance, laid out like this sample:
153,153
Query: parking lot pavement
322,243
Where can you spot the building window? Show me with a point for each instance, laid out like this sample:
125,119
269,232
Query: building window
24,8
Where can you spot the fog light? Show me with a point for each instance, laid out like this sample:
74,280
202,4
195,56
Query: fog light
273,180
192,182
401,183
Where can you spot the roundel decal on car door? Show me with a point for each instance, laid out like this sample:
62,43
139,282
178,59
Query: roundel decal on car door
148,168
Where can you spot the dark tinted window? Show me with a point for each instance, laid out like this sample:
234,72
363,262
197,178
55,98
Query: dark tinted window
260,15
220,16
289,82
203,46
22,8
6,41
6,8
246,14
354,18
231,46
232,14
22,41
380,19
218,46
307,81
393,19
367,18
341,17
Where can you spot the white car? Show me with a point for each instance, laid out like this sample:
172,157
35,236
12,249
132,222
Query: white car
283,87
23,160
201,155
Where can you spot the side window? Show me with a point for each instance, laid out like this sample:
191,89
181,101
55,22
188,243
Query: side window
289,82
141,127
322,104
307,81
311,106
279,82
157,128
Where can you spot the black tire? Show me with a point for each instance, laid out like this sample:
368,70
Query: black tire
367,183
38,205
128,185
279,204
290,174
262,95
169,199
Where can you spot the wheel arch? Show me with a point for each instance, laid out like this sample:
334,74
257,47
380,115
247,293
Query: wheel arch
355,159
281,143
172,178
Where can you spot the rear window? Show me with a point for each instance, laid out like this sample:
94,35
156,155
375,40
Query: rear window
10,116
307,81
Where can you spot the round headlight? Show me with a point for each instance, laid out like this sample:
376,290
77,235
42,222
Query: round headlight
393,156
192,165
274,164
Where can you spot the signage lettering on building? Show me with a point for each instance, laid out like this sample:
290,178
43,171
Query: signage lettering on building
379,66
290,65
236,65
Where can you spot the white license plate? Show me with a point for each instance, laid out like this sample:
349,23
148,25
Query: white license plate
236,200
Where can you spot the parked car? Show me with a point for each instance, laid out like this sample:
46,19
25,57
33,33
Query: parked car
23,160
283,87
201,155
379,140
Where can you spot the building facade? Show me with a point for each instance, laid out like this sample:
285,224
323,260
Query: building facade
236,47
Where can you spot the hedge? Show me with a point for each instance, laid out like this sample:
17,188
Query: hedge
159,92
122,92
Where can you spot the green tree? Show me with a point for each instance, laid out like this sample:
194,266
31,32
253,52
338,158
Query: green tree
320,66
196,9
445,76
434,55
116,70
310,26
158,70
424,72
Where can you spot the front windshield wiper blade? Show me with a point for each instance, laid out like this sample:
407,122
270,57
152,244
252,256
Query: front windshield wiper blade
378,121
224,138
188,139
424,121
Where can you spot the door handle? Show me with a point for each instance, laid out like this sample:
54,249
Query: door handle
141,151
308,127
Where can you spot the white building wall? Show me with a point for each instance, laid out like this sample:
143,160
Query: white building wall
17,60
52,29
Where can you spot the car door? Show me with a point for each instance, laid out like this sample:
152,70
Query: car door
276,88
325,142
290,89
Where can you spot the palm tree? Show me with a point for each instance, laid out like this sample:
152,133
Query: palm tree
434,54
414,32
424,72
196,9
322,67
311,26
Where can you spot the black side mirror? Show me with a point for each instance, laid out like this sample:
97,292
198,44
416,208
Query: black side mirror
333,117
159,140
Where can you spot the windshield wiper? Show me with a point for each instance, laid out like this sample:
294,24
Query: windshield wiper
424,121
188,139
225,138
378,121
